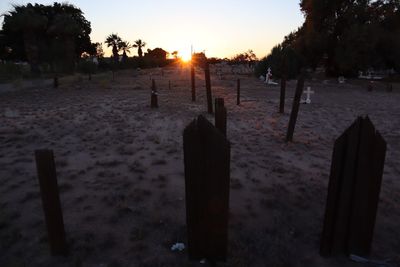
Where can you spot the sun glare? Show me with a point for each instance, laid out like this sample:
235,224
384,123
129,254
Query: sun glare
186,56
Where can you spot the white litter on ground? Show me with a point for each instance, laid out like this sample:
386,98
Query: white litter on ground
178,247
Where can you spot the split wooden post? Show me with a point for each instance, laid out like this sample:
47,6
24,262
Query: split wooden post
207,175
220,115
282,96
353,194
154,95
208,87
46,171
238,92
295,108
192,76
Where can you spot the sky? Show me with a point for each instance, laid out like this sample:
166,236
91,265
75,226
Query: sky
221,28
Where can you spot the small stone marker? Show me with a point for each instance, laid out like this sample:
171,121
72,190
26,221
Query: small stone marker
341,80
208,87
238,92
220,115
308,92
46,171
192,76
154,95
295,108
353,193
282,96
207,175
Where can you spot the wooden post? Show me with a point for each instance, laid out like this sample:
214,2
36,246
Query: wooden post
295,108
55,81
389,87
238,92
208,87
169,84
220,115
154,95
192,76
46,171
370,86
282,97
353,193
207,175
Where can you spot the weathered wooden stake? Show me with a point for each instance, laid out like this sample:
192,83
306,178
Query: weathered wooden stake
154,95
208,87
390,87
207,175
370,86
295,108
46,171
220,115
238,92
192,75
283,95
353,193
55,81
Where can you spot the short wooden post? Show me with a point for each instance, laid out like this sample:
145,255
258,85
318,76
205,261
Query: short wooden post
192,76
169,85
220,115
238,92
370,86
295,108
207,175
353,193
46,171
55,81
208,87
389,87
154,95
282,96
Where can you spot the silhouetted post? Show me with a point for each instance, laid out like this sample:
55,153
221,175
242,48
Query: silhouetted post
283,95
169,84
55,81
353,194
220,115
192,75
90,76
295,108
370,86
207,175
46,171
238,92
390,87
208,87
154,94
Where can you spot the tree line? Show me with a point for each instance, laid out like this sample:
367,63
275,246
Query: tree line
342,36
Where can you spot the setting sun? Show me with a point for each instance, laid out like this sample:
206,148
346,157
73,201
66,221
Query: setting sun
186,56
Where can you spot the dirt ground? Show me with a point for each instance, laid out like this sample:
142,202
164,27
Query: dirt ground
121,177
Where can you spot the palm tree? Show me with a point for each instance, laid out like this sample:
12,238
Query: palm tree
114,41
139,44
125,46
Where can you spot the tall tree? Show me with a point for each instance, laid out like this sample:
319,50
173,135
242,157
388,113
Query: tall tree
114,41
139,44
125,47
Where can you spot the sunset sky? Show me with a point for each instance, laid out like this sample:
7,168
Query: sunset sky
222,28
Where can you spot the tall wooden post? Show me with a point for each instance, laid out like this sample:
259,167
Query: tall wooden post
208,87
238,92
192,76
220,115
46,171
207,175
353,194
283,95
295,108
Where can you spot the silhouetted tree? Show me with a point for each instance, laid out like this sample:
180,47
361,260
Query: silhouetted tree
114,41
139,44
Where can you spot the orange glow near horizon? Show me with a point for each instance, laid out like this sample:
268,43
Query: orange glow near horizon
185,56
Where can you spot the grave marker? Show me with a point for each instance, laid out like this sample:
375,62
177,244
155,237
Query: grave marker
220,115
47,176
238,92
154,95
295,108
192,75
208,87
282,96
207,175
353,193
308,92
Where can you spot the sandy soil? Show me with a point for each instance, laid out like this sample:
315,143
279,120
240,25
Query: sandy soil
120,169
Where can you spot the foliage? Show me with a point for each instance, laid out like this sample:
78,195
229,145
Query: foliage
139,44
349,36
245,57
46,34
114,41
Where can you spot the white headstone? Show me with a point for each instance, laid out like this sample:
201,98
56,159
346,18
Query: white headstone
308,92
